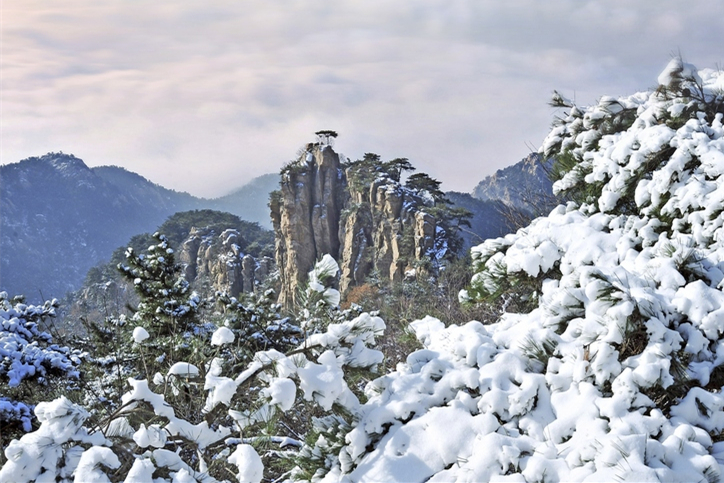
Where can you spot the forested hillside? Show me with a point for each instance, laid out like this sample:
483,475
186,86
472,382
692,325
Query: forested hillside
60,218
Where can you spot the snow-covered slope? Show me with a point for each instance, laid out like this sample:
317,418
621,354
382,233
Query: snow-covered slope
616,373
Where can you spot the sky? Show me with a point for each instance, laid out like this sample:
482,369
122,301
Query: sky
204,96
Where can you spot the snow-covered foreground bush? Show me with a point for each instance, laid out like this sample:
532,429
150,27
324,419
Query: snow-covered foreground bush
149,438
64,448
616,373
31,365
146,435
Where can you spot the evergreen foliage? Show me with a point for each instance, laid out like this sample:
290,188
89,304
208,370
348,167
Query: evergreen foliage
422,182
421,192
33,367
258,324
166,304
222,408
326,137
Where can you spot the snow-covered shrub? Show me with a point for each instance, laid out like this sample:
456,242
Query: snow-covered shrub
615,369
319,300
257,323
31,365
163,328
167,307
156,433
148,438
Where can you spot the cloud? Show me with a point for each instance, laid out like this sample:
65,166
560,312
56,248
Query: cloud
203,97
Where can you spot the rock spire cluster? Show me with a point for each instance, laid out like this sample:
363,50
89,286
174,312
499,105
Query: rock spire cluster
370,226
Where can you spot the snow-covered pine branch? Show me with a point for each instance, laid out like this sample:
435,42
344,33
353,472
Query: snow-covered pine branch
148,437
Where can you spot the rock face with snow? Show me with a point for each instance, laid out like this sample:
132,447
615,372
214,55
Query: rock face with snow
377,225
216,260
305,215
382,231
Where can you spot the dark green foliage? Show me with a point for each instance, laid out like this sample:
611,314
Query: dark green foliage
258,325
257,241
167,310
687,89
451,220
322,446
401,303
567,162
538,352
34,366
326,137
421,182
517,291
361,173
171,314
396,167
364,171
562,164
166,304
295,167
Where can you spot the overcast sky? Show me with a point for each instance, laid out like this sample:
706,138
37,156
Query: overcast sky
204,96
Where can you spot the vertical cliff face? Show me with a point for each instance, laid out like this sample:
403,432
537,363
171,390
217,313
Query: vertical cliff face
305,215
360,214
385,230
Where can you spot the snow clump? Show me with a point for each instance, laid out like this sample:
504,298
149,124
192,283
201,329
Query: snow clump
140,334
222,335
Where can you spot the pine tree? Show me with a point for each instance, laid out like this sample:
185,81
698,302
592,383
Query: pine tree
209,419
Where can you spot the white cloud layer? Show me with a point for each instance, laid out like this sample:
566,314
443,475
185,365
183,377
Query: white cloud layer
202,97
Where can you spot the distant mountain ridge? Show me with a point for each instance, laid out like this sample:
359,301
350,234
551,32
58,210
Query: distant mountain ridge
519,186
250,202
60,218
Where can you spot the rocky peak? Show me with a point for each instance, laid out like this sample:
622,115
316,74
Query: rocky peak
520,186
360,213
305,214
